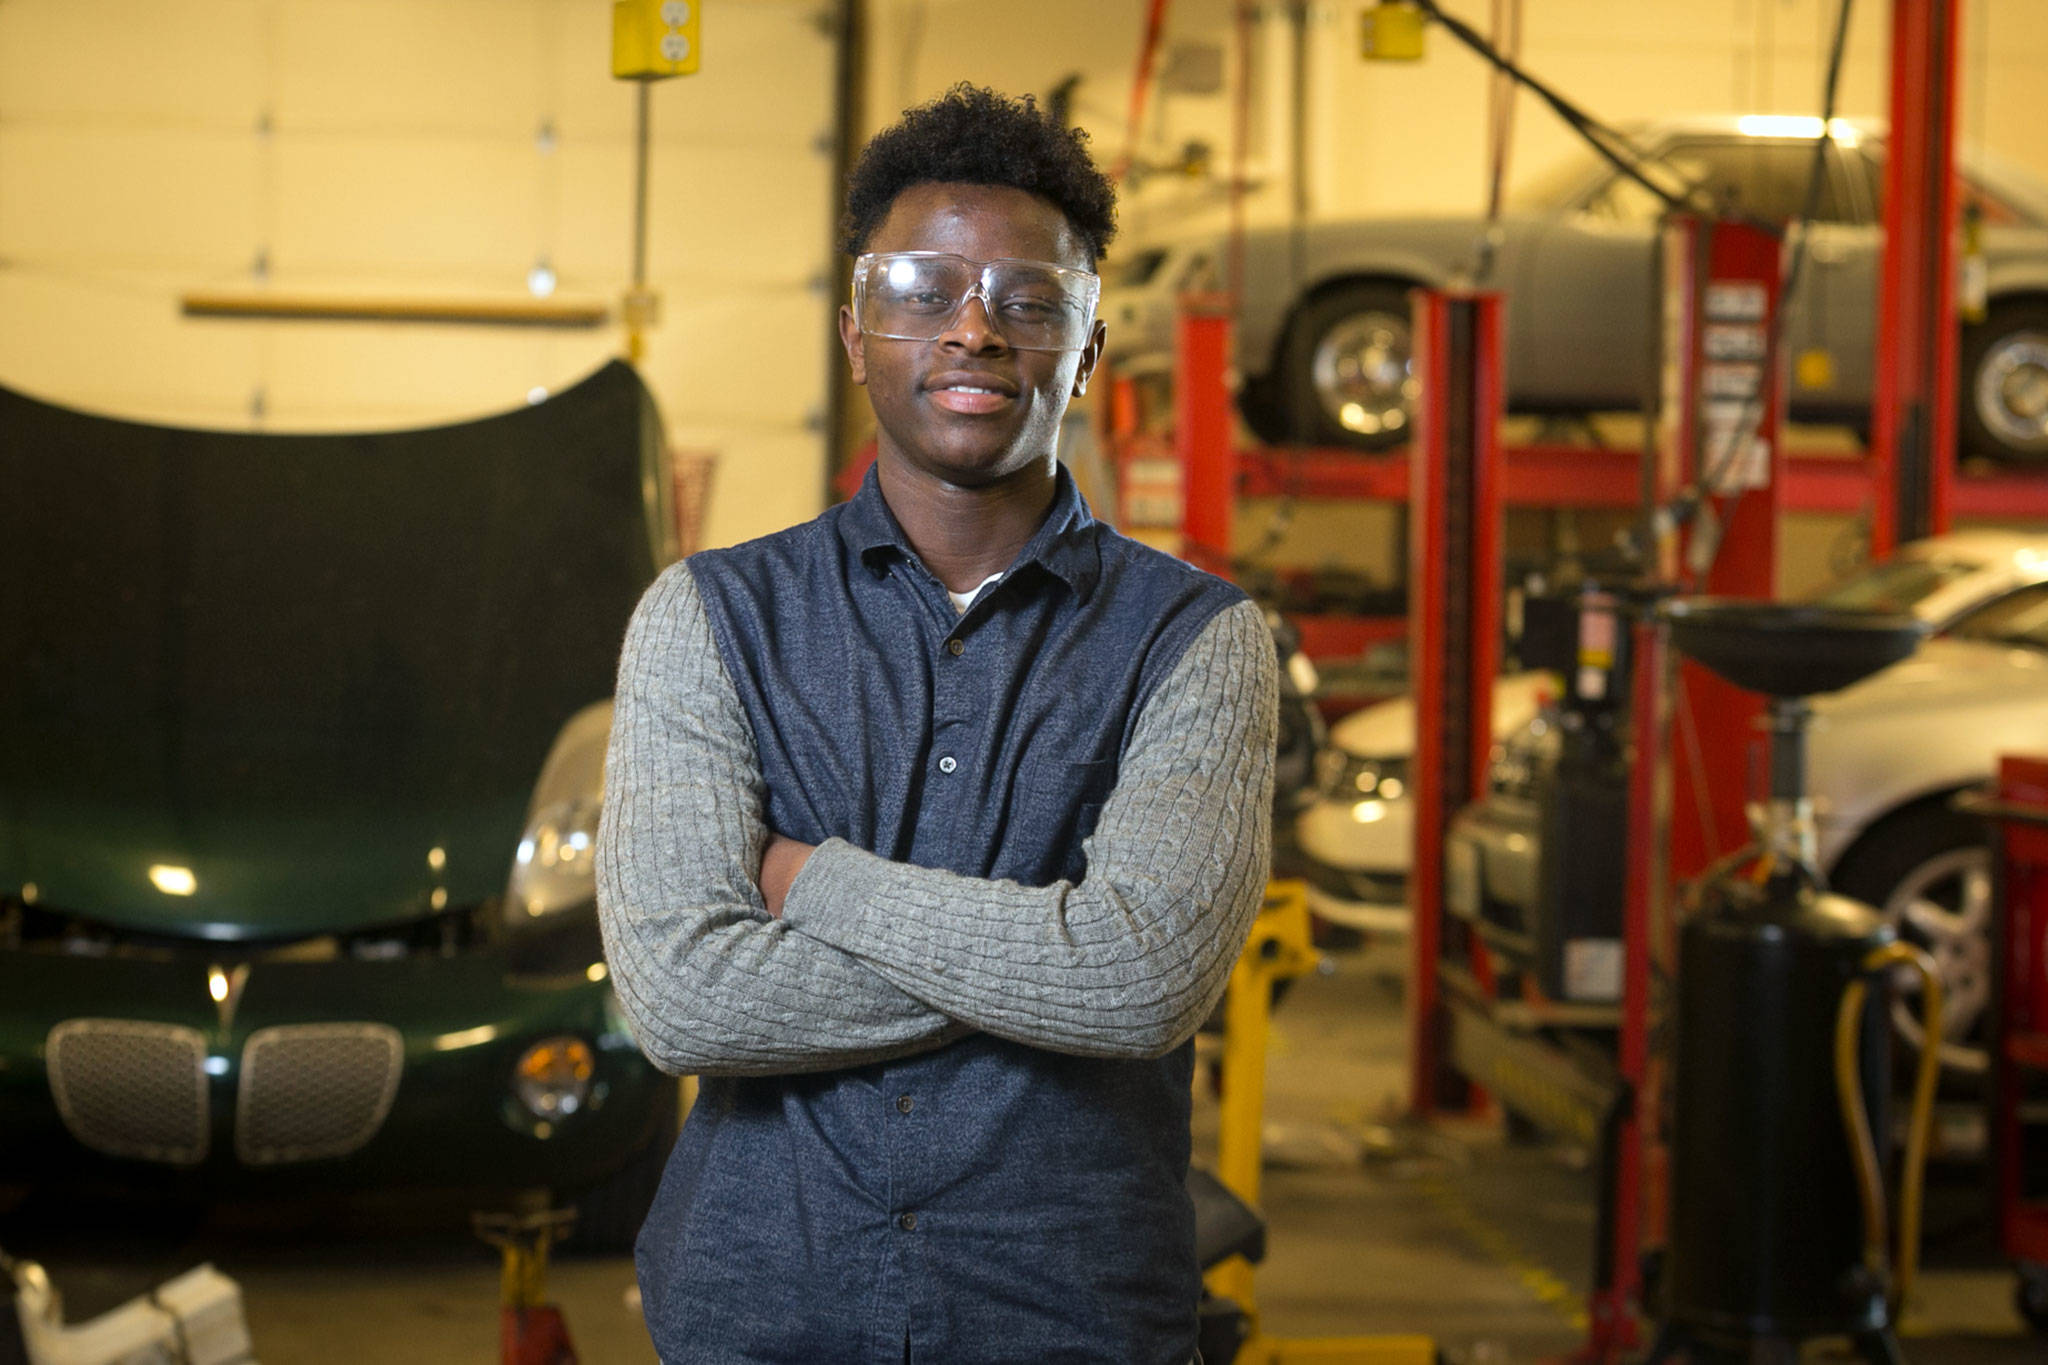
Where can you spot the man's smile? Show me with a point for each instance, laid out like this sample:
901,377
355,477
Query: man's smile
971,393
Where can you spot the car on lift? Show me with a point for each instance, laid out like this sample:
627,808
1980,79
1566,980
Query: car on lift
1357,836
302,756
1322,328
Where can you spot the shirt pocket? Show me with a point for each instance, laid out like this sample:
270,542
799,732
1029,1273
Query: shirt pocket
1062,801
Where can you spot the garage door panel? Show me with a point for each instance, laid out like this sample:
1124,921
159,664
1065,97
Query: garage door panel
446,207
196,63
466,371
119,346
98,198
440,67
720,219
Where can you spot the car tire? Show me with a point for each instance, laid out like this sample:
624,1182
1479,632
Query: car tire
1347,367
2003,402
609,1214
1265,413
1927,869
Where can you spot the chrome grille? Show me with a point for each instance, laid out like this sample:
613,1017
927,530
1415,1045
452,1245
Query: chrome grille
131,1089
311,1091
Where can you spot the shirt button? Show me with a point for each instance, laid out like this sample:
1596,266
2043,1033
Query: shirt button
947,764
903,1104
956,647
908,1222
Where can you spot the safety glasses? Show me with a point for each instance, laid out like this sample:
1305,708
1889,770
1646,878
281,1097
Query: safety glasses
916,295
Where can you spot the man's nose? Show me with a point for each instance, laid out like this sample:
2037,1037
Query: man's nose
973,325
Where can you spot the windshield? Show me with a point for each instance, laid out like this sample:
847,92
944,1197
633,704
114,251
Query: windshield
2019,618
1554,186
1899,585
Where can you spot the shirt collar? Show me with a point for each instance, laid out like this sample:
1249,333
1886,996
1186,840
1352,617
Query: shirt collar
1064,544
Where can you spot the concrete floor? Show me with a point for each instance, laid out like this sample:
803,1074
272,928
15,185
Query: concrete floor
1485,1246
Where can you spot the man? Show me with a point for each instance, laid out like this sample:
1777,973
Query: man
932,828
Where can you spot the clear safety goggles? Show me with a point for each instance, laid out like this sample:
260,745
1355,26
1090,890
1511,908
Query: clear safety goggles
916,295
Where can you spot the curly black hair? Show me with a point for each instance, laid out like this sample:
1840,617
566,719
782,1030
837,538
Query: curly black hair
973,135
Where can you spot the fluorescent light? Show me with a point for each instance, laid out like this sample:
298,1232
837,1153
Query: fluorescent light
1795,125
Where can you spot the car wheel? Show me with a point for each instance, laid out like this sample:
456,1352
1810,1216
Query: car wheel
1928,870
2004,398
609,1214
1348,367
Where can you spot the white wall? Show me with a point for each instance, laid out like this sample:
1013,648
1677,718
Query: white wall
395,147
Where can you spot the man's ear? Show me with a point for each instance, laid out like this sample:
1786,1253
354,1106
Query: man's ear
855,343
1091,356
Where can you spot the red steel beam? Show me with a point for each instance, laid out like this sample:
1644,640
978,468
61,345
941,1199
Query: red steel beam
1913,417
1202,430
1454,622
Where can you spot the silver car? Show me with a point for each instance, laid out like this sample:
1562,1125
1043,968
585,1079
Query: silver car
1886,757
1322,332
1357,835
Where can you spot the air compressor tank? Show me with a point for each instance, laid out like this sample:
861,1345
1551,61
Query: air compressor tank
1767,1232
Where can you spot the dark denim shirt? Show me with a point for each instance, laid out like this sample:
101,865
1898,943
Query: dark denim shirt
987,1201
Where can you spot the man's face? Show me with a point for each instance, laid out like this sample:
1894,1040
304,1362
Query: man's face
927,415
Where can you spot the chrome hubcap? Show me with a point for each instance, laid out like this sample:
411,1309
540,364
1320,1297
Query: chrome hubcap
1363,371
2012,390
1944,906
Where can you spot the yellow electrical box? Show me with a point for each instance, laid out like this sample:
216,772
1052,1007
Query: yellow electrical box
1391,31
654,39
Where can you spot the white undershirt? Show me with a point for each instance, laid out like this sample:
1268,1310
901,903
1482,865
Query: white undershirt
963,600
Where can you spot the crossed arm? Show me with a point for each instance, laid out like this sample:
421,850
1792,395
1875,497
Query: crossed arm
873,959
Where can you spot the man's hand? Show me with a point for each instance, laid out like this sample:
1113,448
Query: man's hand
780,862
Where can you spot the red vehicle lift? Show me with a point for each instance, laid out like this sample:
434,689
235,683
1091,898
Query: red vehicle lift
1456,480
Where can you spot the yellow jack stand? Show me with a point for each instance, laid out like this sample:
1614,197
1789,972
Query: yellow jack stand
1277,950
530,1331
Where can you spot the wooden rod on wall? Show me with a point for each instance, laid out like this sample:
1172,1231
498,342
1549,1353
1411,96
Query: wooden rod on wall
341,308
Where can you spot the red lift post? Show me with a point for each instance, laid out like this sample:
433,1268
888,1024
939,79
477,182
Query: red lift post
1913,417
1454,594
1722,383
1202,430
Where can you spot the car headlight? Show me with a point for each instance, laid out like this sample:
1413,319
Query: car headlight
1516,763
554,867
552,1078
550,901
1348,778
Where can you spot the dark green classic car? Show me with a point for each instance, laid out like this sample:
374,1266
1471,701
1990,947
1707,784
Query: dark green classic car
301,740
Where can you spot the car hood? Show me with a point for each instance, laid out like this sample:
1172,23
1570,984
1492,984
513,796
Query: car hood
1387,729
1942,675
263,686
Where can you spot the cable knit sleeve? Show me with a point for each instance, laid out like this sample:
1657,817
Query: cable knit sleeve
1130,960
709,983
